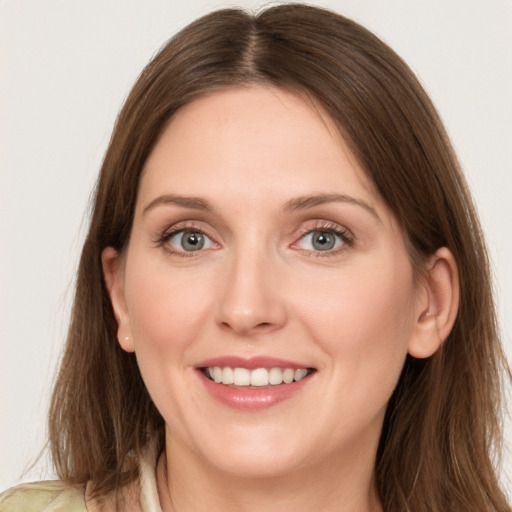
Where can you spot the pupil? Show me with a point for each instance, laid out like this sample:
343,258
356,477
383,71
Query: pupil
323,241
192,241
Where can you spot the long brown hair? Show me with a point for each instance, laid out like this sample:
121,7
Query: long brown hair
441,430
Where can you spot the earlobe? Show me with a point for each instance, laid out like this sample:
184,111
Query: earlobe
437,305
114,279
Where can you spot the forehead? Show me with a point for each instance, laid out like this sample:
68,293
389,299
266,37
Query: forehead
255,141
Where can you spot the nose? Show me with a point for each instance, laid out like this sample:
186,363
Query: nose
251,301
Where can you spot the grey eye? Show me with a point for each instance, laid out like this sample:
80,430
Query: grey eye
190,241
321,241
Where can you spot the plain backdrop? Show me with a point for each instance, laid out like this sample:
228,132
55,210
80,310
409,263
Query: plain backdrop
65,68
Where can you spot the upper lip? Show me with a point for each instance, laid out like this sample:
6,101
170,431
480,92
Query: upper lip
251,363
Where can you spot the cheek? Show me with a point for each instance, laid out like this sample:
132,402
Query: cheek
167,315
166,308
364,319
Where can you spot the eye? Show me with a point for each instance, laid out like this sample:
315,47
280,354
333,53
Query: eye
189,241
324,240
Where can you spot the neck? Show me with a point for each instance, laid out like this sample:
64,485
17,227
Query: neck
332,485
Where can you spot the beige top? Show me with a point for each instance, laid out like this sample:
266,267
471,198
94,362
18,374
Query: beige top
53,496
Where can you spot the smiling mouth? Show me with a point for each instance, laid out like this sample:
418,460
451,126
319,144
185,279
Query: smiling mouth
257,378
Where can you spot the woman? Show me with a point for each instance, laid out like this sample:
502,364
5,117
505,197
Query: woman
284,298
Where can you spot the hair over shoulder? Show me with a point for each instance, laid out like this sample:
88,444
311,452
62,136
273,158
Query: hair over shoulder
441,432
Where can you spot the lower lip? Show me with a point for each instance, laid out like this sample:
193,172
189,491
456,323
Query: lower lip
251,399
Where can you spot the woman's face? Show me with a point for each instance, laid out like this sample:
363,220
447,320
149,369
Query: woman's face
261,252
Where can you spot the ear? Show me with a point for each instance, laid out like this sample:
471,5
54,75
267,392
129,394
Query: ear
437,304
113,271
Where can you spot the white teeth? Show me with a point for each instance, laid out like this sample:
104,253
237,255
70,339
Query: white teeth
275,376
258,377
288,375
300,374
227,376
241,377
217,374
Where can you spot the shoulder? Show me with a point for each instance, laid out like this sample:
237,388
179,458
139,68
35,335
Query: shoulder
51,496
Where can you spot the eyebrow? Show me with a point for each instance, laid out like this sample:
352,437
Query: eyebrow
194,203
306,202
295,204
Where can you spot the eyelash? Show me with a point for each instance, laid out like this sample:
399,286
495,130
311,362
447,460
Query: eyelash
324,226
176,230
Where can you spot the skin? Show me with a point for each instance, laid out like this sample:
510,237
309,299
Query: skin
259,287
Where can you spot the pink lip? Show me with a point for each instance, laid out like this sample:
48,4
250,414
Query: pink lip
251,399
250,363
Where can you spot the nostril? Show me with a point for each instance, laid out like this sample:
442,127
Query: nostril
258,317
247,328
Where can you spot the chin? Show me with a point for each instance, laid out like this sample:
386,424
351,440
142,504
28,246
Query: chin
253,453
258,465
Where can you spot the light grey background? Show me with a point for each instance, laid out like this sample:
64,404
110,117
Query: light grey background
65,68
